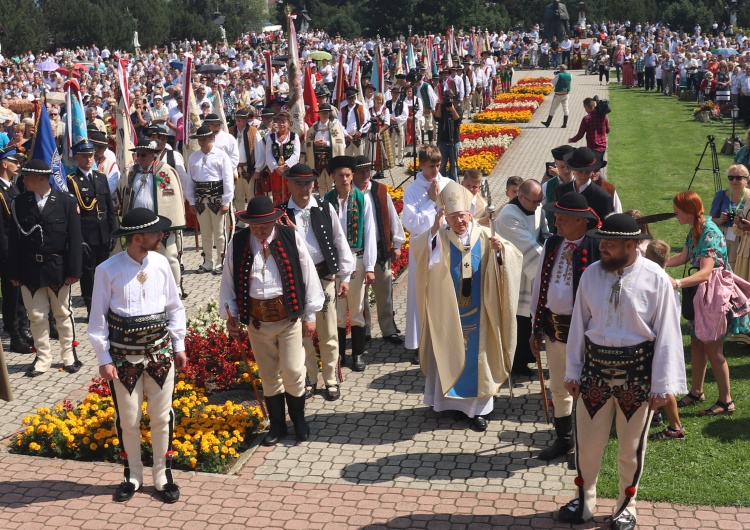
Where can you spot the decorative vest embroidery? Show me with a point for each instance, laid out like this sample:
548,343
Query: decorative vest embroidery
383,220
583,256
286,256
355,212
287,150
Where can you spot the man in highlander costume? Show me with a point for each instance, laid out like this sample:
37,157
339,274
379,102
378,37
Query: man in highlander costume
624,357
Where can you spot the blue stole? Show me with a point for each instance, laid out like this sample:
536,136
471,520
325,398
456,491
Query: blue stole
467,385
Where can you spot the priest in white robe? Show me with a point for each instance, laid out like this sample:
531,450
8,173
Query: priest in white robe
467,293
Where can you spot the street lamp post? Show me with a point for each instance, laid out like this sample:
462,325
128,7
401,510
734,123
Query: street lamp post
735,114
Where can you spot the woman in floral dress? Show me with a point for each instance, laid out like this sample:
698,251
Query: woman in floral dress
705,249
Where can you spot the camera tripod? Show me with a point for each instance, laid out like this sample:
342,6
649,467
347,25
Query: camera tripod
714,163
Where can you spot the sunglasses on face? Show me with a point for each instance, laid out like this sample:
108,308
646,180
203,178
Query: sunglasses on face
735,177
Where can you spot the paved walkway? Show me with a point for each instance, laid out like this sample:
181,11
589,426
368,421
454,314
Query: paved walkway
378,458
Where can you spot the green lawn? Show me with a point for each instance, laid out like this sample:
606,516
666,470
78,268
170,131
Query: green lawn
654,149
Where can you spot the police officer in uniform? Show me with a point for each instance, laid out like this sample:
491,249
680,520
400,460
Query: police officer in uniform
98,215
15,321
47,244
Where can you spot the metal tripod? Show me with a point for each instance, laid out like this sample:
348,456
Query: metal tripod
714,163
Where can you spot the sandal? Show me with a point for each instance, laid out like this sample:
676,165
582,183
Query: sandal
723,408
669,434
690,399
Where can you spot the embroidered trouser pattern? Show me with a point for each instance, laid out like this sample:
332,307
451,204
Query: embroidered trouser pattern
601,401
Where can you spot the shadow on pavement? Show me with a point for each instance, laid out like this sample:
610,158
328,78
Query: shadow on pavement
27,492
409,381
433,467
444,521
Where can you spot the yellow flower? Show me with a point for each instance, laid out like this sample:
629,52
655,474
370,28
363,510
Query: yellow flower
93,446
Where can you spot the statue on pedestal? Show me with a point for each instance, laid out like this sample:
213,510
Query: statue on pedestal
556,21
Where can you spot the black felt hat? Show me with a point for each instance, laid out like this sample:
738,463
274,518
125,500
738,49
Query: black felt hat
301,173
146,145
141,221
574,204
362,162
36,167
259,210
98,138
558,153
341,161
211,119
584,159
618,226
202,132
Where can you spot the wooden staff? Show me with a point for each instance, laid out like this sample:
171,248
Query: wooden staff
261,403
491,213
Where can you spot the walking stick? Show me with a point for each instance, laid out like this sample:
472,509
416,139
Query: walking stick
544,389
261,403
491,213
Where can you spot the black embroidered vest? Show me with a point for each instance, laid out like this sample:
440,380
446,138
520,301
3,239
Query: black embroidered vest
277,151
584,255
285,254
322,227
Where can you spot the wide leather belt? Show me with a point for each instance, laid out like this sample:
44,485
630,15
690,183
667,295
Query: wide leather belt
208,189
271,310
556,327
630,362
138,335
322,269
41,258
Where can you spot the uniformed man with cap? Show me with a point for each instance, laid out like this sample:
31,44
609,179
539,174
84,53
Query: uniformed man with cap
209,189
98,216
315,221
323,141
270,285
137,330
355,118
15,321
46,242
357,219
153,184
389,238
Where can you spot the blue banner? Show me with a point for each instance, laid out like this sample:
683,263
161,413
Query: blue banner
45,148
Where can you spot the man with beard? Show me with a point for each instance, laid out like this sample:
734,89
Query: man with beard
134,293
621,363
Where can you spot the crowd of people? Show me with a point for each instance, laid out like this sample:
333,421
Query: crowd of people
559,269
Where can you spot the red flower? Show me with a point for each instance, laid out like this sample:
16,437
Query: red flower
162,185
123,455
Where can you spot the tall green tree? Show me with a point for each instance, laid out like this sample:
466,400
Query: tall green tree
22,31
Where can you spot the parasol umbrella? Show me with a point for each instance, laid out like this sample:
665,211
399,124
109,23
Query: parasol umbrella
276,62
47,66
177,65
62,71
320,55
726,51
211,69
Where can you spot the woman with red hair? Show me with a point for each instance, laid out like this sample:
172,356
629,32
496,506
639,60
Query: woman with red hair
705,249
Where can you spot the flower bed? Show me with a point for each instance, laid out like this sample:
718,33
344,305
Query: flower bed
500,116
533,81
507,97
542,90
206,437
399,266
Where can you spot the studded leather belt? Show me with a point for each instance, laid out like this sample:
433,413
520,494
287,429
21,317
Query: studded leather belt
556,327
630,362
271,310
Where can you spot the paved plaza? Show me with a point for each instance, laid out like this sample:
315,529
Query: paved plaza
377,458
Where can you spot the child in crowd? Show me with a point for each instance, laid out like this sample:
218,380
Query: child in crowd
658,252
511,187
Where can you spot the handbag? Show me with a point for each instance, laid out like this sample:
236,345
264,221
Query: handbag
263,184
688,294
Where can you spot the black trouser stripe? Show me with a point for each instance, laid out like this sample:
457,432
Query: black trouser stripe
72,322
639,458
119,429
168,470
